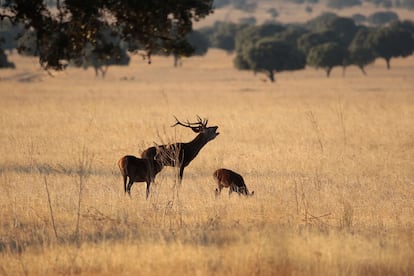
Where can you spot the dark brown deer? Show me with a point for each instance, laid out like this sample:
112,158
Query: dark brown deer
229,179
138,170
181,154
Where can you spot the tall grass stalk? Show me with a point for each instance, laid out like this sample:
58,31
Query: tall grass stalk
315,126
52,217
83,171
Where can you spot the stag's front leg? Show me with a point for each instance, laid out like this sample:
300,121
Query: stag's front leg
238,190
231,189
181,173
148,189
218,190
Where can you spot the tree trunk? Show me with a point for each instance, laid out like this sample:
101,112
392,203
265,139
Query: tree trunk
362,70
177,61
104,70
388,63
328,71
271,76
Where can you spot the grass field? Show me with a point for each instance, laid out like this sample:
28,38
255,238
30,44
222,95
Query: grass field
331,162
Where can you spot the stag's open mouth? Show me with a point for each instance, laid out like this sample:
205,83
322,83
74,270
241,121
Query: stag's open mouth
217,133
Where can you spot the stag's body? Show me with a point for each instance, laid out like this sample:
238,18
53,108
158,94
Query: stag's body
138,170
229,179
181,154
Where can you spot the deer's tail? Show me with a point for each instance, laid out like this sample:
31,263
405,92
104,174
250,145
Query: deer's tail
122,164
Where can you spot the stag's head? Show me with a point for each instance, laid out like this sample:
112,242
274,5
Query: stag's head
200,127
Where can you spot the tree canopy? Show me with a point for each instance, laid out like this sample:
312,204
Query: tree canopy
62,32
270,55
359,52
8,34
249,35
96,55
391,41
326,56
4,62
198,45
342,29
339,4
222,34
382,17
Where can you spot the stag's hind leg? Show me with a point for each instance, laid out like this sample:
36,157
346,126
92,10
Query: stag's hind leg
124,177
129,186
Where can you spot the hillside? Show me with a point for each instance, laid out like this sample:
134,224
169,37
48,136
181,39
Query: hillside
294,13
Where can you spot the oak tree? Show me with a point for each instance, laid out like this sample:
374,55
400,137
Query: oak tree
64,30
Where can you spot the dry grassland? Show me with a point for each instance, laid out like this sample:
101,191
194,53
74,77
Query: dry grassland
294,13
331,162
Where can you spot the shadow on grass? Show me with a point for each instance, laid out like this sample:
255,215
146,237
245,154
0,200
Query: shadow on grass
48,169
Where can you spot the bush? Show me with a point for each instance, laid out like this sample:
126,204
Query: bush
4,63
340,4
409,4
359,18
382,18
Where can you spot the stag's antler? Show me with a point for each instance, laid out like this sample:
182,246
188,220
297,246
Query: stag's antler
202,122
196,127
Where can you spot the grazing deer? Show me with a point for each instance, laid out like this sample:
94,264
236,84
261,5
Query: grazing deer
138,170
181,154
228,179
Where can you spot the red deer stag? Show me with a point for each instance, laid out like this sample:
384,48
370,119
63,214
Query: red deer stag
181,154
228,179
138,170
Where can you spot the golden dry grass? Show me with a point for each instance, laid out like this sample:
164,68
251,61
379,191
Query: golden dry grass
330,161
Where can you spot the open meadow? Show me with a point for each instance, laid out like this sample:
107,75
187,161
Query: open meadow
331,162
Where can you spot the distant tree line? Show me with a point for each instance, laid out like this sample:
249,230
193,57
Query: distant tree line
325,42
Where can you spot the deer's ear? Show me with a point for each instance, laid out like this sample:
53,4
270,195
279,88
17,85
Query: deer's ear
196,129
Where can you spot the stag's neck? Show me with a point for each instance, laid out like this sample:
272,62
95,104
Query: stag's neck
193,148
